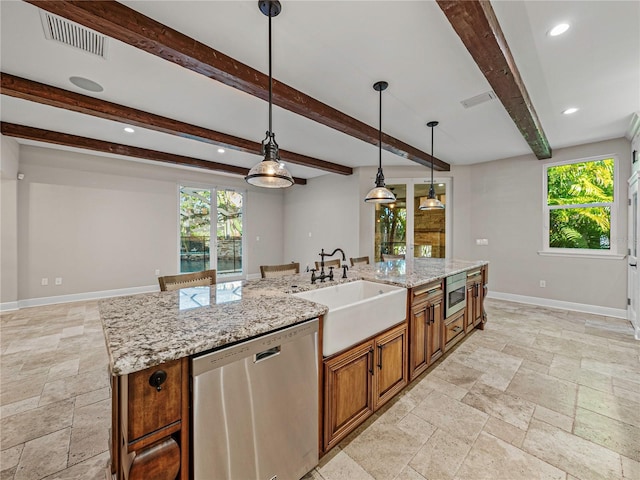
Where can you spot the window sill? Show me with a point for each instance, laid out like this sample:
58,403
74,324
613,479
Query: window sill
604,256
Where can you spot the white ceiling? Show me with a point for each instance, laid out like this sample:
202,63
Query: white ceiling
334,51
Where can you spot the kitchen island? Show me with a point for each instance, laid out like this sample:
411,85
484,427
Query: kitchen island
151,338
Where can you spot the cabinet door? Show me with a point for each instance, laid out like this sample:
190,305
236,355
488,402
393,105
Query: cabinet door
435,332
390,365
478,304
419,323
348,397
470,307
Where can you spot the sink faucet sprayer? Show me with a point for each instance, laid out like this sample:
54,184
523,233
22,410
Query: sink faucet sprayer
322,275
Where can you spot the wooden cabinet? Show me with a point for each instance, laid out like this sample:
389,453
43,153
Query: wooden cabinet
348,395
476,290
425,327
150,423
390,355
360,380
475,293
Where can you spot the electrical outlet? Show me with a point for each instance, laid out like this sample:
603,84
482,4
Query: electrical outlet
478,241
543,284
58,280
257,238
157,271
485,241
44,282
309,234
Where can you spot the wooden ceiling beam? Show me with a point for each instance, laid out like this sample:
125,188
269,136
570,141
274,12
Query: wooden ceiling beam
56,97
131,27
58,138
476,24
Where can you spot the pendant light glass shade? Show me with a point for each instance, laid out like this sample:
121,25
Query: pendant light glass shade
380,193
270,172
430,202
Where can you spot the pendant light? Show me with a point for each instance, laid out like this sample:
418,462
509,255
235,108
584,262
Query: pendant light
430,202
379,193
270,172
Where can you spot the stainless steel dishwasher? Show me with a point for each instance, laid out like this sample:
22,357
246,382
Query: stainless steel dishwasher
255,408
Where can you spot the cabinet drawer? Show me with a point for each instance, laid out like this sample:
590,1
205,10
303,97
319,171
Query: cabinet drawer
147,409
431,292
454,328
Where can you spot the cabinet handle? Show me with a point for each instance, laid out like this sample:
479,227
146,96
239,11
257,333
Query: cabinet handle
433,313
370,360
457,328
157,379
380,356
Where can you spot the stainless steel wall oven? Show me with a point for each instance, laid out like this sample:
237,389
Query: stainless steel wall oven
455,293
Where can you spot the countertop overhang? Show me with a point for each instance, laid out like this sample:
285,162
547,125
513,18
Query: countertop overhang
148,329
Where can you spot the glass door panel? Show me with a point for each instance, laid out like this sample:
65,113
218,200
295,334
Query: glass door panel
229,232
391,224
195,229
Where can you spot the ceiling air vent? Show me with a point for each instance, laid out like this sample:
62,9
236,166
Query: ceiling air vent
70,33
478,99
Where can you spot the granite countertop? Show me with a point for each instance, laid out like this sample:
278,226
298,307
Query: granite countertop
417,272
148,329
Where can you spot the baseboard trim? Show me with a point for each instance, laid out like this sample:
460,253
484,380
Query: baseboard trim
8,306
547,302
83,297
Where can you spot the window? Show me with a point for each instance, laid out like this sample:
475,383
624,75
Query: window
580,205
196,229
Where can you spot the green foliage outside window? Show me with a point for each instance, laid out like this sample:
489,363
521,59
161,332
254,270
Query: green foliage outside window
580,196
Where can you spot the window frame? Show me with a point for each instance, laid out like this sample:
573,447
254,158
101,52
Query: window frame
612,252
213,237
411,183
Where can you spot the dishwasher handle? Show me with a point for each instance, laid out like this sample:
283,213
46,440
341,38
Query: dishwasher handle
268,353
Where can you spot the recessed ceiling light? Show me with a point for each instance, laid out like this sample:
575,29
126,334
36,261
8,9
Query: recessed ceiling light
569,111
86,84
129,129
221,150
558,29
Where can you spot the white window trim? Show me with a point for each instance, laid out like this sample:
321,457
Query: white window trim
613,252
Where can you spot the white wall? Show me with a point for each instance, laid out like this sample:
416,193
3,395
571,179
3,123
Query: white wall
9,159
322,214
102,223
506,200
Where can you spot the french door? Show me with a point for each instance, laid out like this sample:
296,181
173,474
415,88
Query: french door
211,227
633,283
402,229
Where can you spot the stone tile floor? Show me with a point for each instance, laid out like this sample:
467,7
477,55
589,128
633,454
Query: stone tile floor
539,394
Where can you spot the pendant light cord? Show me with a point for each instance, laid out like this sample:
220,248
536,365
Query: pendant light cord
432,156
270,82
380,133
